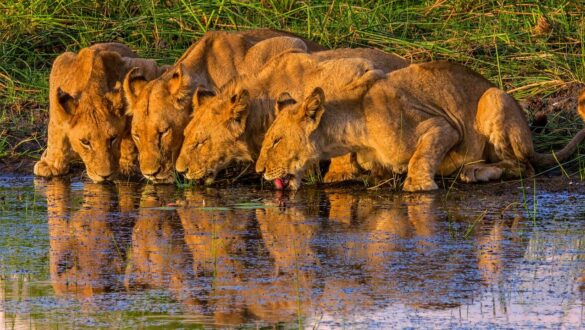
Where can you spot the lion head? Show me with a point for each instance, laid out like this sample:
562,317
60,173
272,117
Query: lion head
98,148
288,147
93,118
160,110
215,136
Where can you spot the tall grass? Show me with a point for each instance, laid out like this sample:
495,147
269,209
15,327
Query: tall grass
531,48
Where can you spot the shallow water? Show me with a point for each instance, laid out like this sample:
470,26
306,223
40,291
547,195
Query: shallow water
76,254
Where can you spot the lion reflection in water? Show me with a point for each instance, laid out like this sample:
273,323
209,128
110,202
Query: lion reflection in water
315,252
406,253
87,252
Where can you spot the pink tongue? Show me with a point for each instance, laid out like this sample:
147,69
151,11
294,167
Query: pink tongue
278,184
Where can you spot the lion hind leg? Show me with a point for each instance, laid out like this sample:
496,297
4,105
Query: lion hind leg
500,119
438,138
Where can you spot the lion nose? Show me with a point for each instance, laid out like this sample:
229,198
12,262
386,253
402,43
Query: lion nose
152,173
180,167
108,176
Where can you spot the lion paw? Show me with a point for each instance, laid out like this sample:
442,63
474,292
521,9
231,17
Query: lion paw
43,168
412,185
338,176
480,174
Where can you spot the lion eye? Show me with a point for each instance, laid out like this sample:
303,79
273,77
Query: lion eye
85,143
198,144
165,132
276,142
112,141
136,137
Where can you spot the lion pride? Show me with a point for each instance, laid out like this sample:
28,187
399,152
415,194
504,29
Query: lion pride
432,118
230,125
161,108
86,111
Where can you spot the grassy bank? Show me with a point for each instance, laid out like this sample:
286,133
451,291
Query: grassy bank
533,49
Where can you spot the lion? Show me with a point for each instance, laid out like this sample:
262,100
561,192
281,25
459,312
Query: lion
229,125
426,119
161,108
86,112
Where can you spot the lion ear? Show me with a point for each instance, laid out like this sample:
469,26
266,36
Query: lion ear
284,100
239,105
313,106
113,67
67,102
201,95
180,83
116,99
239,111
134,83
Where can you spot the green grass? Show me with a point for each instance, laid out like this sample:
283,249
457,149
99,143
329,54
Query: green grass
533,49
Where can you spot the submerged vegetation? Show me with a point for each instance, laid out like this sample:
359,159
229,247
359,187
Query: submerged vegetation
535,50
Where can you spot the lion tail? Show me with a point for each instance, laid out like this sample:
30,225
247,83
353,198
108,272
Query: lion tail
540,159
553,158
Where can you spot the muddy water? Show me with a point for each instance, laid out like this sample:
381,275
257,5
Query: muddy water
76,254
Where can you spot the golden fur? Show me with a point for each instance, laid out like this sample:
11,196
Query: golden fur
86,111
230,125
427,119
161,108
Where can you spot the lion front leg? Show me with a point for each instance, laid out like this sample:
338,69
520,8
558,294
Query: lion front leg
342,168
438,138
128,156
56,158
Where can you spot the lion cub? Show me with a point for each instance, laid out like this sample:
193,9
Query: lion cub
86,111
433,118
229,125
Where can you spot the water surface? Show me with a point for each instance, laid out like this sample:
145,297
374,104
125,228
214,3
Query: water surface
77,254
